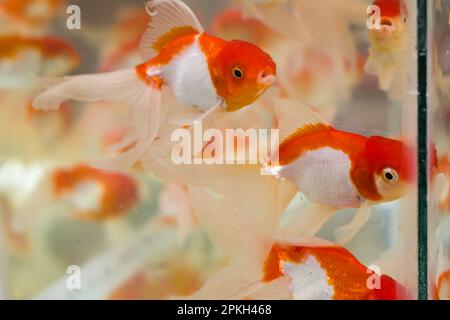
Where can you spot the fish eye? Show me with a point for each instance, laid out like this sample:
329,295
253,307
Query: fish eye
237,73
390,176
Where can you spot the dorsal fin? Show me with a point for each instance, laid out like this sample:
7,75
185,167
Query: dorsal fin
169,19
296,119
305,130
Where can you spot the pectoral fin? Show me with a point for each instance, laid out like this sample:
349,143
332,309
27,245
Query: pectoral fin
307,222
237,281
345,234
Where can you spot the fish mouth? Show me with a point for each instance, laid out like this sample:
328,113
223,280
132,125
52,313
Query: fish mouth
387,24
266,79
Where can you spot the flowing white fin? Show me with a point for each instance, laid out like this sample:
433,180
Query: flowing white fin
236,281
111,86
307,222
146,117
124,85
169,19
293,115
345,234
245,232
241,219
278,289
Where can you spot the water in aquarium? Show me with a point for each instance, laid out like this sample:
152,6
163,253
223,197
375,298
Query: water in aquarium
226,149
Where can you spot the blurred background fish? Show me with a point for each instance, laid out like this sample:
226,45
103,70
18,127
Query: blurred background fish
389,40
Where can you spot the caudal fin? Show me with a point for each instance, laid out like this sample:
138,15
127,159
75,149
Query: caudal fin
111,86
125,85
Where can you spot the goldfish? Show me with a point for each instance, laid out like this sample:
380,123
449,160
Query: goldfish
19,54
336,169
300,268
331,272
389,42
28,15
200,70
98,195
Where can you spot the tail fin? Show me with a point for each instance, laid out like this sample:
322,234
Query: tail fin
123,85
111,86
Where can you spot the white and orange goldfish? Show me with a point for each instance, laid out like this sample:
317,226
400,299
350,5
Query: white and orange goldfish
90,194
389,42
27,15
336,169
200,70
97,195
304,269
21,55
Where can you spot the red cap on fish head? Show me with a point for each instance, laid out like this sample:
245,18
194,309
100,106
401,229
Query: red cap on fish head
391,8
